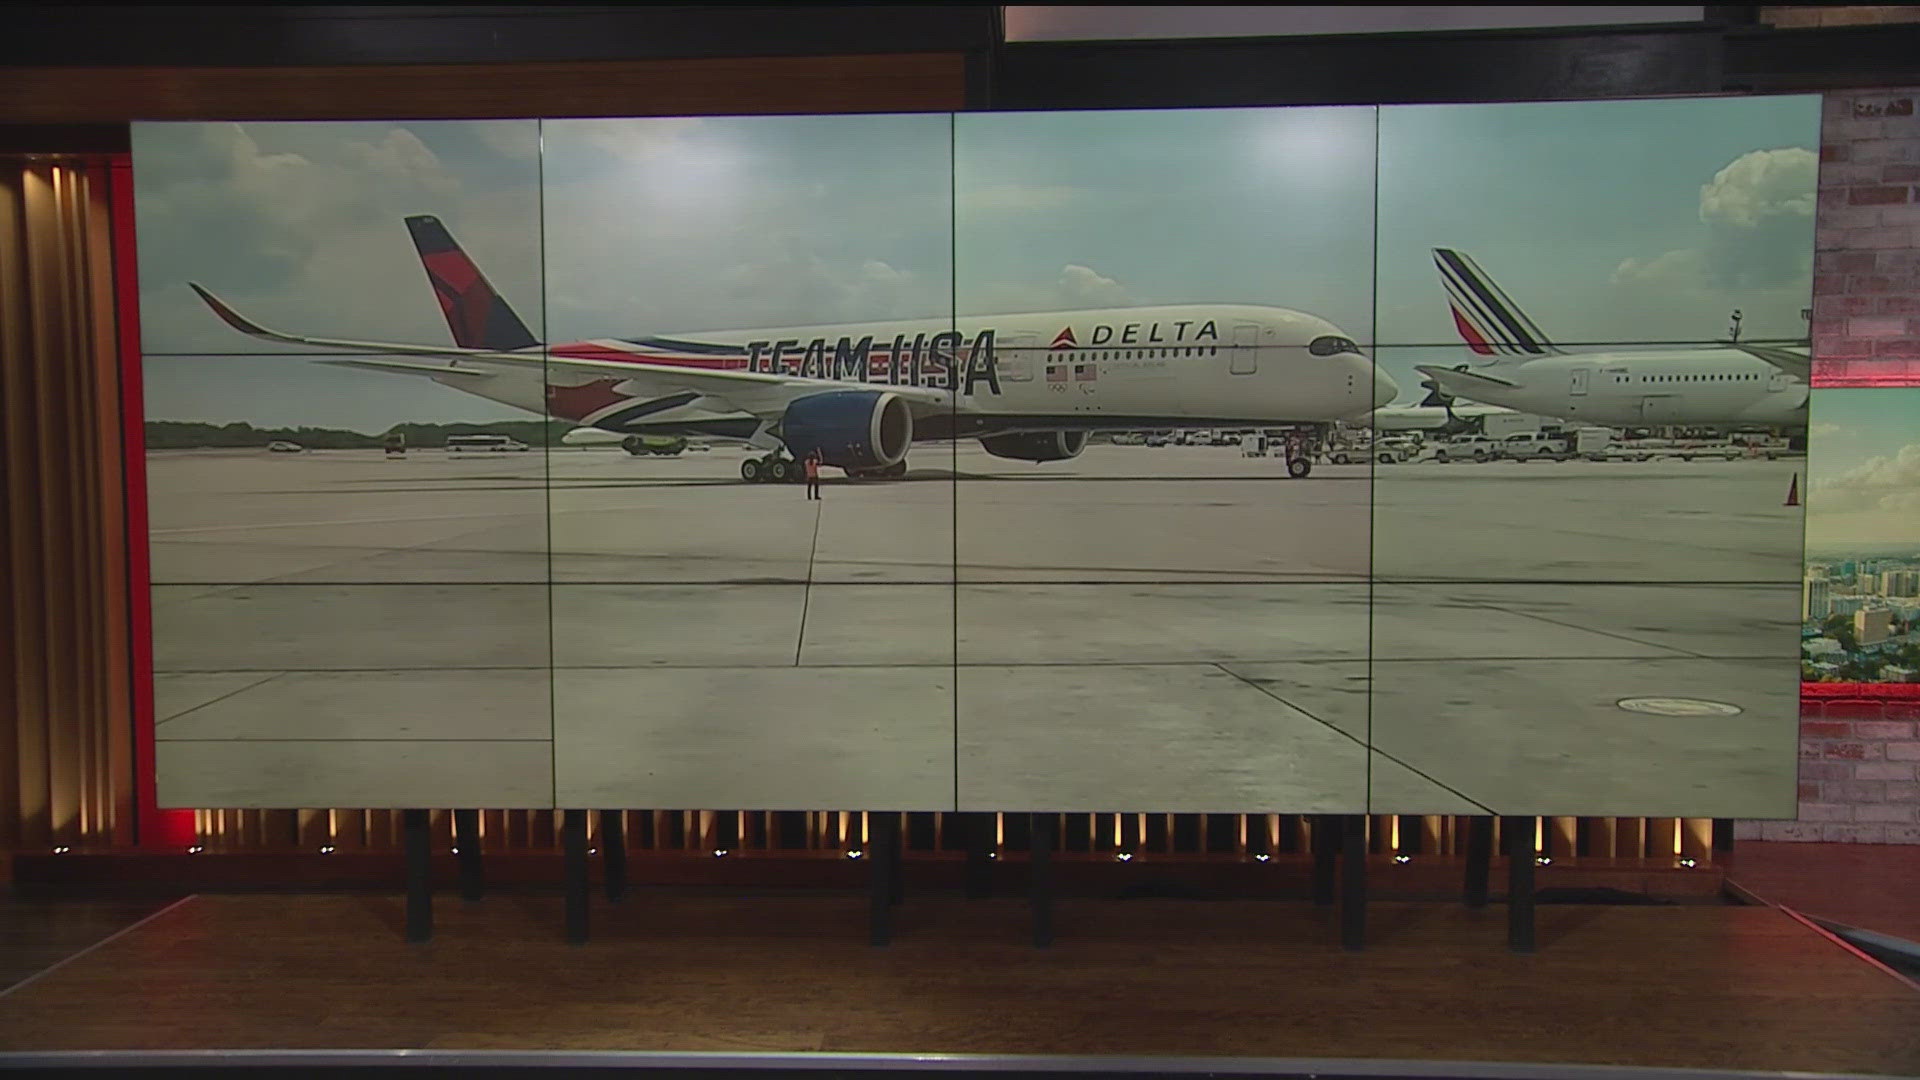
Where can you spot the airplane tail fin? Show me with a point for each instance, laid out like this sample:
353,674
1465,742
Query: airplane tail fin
1486,317
479,317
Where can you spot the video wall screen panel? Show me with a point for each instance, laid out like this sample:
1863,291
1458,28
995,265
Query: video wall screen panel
1205,278
1425,459
348,541
1607,301
720,642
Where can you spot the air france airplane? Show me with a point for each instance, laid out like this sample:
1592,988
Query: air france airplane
1030,387
1729,384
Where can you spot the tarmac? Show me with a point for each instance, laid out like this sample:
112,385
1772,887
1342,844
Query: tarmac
1140,629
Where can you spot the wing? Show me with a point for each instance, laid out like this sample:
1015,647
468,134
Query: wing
1444,375
1795,363
762,393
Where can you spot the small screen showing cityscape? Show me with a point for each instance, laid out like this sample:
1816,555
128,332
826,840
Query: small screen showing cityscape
1860,600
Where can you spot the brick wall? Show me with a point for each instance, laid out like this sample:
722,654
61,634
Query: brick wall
1866,268
1858,758
1857,775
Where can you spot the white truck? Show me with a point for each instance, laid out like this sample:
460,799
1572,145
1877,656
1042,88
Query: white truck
1471,448
1529,446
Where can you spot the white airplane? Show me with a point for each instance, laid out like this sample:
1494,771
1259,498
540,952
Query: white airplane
1029,386
1728,384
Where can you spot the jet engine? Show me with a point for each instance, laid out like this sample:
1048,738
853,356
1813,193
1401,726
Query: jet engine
1037,445
853,429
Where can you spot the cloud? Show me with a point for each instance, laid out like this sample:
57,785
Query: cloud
1825,429
214,205
1761,187
1081,286
1757,213
1884,483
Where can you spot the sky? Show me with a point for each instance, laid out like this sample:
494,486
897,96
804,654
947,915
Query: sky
1863,471
1606,221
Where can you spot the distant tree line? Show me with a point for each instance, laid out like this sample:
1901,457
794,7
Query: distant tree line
192,435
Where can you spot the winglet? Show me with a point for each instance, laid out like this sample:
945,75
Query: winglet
228,315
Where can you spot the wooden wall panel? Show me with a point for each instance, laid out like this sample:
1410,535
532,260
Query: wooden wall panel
65,696
801,84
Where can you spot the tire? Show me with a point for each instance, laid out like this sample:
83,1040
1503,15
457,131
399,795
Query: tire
1440,456
1386,459
1479,455
752,471
1299,467
781,471
1338,459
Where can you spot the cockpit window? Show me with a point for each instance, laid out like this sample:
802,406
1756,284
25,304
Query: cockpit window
1331,345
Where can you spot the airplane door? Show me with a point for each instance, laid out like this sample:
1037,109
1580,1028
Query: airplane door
1244,358
1579,386
1015,360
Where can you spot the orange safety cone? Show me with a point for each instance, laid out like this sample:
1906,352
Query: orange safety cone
1793,491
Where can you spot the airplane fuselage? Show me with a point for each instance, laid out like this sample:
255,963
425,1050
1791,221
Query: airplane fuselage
1698,386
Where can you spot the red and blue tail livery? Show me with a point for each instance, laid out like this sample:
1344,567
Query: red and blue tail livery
476,314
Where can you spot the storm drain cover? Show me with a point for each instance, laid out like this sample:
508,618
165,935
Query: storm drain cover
1678,706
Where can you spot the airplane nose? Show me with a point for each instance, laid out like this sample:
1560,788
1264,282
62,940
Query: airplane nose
1384,388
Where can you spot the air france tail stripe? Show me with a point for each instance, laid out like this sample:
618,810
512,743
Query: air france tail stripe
1472,283
1506,302
1467,316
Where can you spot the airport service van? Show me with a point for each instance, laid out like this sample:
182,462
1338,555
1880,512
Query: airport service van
466,444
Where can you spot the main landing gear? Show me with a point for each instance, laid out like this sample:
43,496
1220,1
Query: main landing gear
770,469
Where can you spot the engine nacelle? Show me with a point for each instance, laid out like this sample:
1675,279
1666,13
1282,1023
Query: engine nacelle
1037,445
853,429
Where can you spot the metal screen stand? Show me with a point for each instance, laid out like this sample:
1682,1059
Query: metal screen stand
979,872
1353,882
883,879
613,848
419,838
466,844
1520,929
573,842
1479,860
1323,837
1040,888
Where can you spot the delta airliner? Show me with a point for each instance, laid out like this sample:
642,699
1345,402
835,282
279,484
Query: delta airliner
1029,386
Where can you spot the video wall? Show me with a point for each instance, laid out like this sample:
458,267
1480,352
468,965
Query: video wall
1425,459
